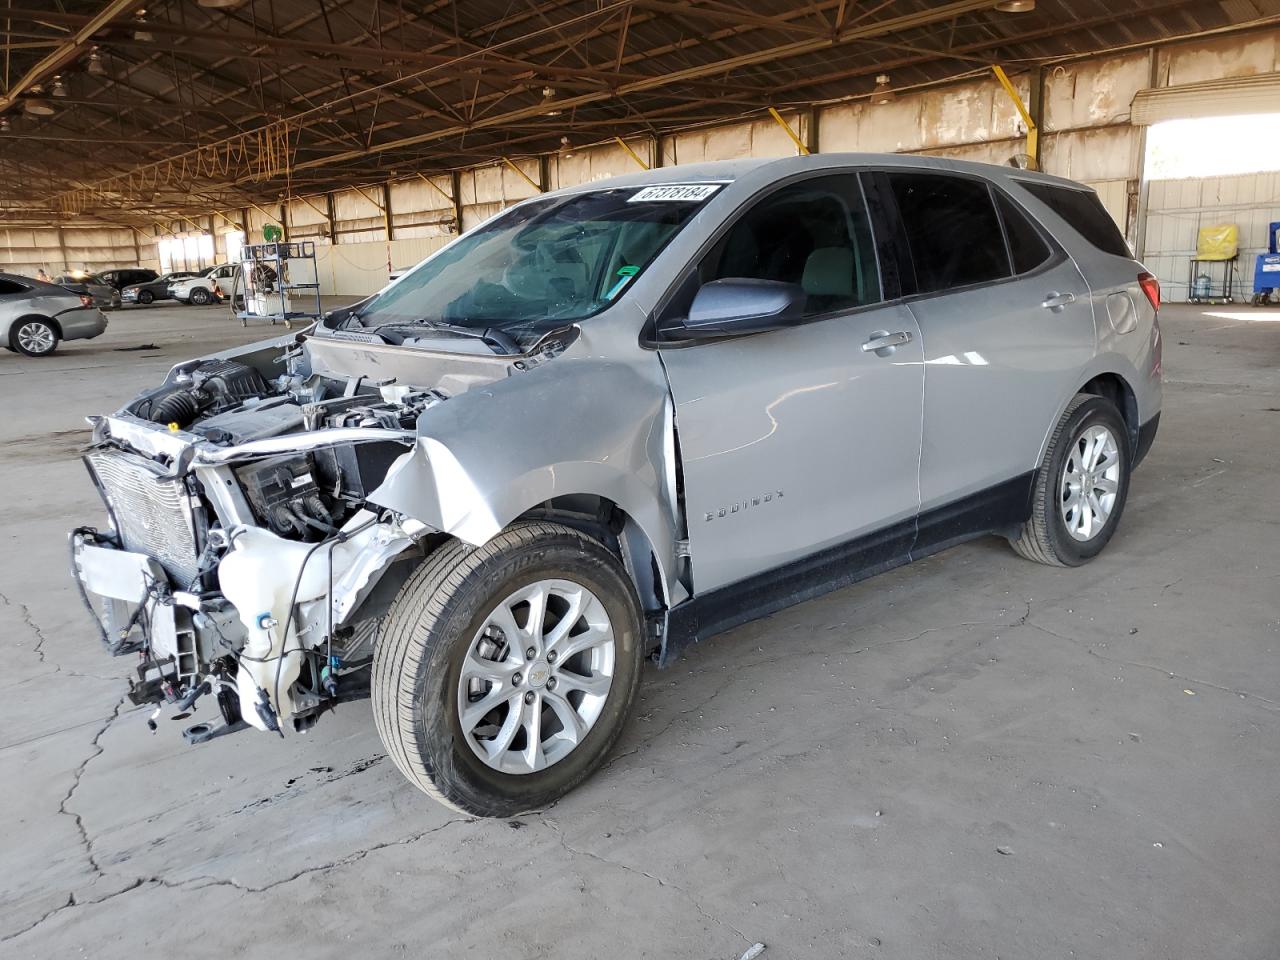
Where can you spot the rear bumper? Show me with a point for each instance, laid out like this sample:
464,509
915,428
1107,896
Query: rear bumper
1146,437
82,323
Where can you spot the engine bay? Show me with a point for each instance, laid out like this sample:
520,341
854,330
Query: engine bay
304,496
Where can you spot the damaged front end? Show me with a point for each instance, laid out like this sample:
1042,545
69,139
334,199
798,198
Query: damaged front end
246,556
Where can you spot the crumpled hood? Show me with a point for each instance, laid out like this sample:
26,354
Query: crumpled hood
342,354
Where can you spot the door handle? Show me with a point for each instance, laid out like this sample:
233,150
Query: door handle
1056,301
882,341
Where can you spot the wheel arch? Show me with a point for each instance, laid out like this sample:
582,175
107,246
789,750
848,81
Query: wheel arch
1112,386
27,318
609,524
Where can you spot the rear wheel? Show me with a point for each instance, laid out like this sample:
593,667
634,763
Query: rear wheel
200,296
504,674
145,296
34,337
1081,486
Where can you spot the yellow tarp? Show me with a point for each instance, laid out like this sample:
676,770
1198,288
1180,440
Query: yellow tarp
1220,242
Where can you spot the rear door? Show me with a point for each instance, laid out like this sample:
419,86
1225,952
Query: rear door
1005,318
797,439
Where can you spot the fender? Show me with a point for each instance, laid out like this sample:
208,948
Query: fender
488,455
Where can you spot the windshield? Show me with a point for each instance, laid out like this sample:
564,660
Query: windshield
543,264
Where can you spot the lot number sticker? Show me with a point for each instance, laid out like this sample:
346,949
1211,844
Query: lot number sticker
690,192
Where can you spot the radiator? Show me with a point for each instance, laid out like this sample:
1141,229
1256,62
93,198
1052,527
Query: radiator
152,513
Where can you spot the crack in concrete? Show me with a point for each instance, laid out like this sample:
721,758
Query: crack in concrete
660,881
204,882
1089,648
96,744
358,767
675,718
194,883
29,621
72,901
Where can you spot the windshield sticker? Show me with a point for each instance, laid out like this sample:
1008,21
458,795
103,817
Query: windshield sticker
624,277
688,192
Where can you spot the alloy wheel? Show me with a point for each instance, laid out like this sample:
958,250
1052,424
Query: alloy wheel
536,676
1090,483
35,337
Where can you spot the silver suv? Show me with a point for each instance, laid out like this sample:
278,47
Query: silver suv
609,422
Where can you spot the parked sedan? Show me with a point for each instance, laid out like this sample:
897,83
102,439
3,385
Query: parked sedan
104,295
35,317
154,289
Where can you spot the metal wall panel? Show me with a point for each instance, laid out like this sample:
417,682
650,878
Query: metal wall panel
1177,209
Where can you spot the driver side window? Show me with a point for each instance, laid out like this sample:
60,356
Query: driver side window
814,233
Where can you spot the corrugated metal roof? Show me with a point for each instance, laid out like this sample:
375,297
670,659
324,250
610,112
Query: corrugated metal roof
356,90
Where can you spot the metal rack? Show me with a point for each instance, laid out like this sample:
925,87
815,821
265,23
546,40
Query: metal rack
276,282
1211,292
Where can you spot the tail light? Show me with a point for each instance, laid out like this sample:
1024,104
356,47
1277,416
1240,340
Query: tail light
1151,287
86,300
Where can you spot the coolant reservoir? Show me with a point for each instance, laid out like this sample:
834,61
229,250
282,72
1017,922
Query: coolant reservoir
258,577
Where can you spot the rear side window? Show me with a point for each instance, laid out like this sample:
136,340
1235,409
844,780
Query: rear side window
1084,213
9,286
1026,246
952,230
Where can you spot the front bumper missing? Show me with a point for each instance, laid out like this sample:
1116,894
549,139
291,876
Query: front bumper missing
280,606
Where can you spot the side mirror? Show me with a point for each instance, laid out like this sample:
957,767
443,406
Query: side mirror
739,305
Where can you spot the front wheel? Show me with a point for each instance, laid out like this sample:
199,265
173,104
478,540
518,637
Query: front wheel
146,296
1081,486
504,674
34,338
200,296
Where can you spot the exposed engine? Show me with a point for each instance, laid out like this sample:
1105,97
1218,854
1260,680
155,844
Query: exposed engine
214,386
301,496
248,564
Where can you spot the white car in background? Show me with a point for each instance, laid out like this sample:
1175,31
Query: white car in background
212,285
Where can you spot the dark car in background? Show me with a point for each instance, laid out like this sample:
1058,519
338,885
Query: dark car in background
155,288
121,277
104,294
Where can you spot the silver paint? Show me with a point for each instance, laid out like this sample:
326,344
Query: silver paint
855,432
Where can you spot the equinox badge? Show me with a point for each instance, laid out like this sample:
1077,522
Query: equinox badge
745,504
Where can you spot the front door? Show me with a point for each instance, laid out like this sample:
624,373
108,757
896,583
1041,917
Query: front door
798,439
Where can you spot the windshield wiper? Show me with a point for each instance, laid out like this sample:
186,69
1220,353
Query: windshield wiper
490,335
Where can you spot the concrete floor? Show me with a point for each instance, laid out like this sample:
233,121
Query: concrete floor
972,757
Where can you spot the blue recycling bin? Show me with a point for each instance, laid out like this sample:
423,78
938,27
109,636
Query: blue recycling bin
1266,271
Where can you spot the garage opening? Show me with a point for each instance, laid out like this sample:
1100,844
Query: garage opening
1212,158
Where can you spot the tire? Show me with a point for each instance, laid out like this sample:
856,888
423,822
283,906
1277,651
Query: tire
1058,533
444,615
34,337
200,296
146,296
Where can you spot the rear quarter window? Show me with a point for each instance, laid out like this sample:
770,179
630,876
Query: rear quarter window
1084,213
10,286
1027,247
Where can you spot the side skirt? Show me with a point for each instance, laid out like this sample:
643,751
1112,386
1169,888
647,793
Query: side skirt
998,509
